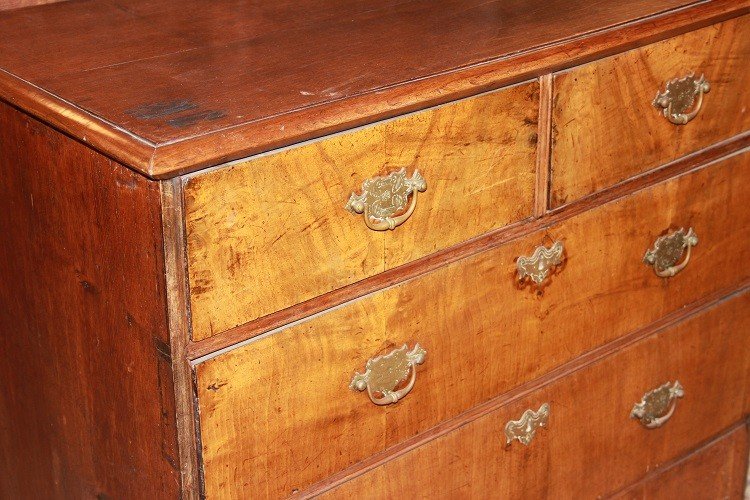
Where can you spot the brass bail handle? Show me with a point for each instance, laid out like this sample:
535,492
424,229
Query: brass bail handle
682,98
658,406
384,373
383,199
671,253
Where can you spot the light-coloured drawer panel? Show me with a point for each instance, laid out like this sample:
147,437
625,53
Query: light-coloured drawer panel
271,232
606,128
267,406
590,446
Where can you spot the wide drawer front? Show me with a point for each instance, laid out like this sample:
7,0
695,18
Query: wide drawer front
589,443
280,229
609,124
717,470
266,407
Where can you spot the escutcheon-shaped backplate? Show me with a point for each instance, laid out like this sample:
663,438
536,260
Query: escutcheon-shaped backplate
524,429
538,265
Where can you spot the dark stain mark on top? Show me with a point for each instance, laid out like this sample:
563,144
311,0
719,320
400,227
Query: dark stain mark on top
161,109
89,287
193,118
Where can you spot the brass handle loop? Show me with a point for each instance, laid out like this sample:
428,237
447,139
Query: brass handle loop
384,373
383,199
657,406
668,250
682,98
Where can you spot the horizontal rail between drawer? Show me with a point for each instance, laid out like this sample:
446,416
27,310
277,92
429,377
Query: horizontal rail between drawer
703,445
522,391
205,349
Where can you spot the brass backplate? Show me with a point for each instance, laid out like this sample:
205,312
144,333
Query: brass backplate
387,196
524,429
657,406
538,265
383,374
668,250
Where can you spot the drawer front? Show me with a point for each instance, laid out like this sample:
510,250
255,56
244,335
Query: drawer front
266,406
285,213
606,128
718,470
590,444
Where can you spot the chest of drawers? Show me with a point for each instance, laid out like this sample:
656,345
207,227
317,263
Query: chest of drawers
446,249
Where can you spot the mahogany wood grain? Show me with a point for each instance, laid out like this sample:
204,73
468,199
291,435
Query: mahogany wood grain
284,213
606,128
716,470
254,419
489,241
195,101
590,446
87,406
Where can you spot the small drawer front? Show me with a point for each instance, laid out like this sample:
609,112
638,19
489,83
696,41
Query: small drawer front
296,406
590,445
717,470
283,228
609,124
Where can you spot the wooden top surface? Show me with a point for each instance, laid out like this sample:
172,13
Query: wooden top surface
170,86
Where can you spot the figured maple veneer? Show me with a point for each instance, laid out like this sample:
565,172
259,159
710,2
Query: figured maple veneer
590,446
717,470
605,128
266,407
271,232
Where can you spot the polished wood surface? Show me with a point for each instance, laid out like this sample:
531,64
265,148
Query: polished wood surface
717,470
170,86
605,128
87,407
192,331
284,213
590,446
450,255
254,419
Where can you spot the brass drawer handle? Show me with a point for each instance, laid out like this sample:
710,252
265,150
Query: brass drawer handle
679,96
384,199
668,250
539,264
525,427
657,406
384,373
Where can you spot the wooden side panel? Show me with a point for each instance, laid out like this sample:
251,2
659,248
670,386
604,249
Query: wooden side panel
591,446
87,405
266,406
606,128
269,233
718,470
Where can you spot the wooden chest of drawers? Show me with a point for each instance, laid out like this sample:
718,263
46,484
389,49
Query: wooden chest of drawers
331,249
